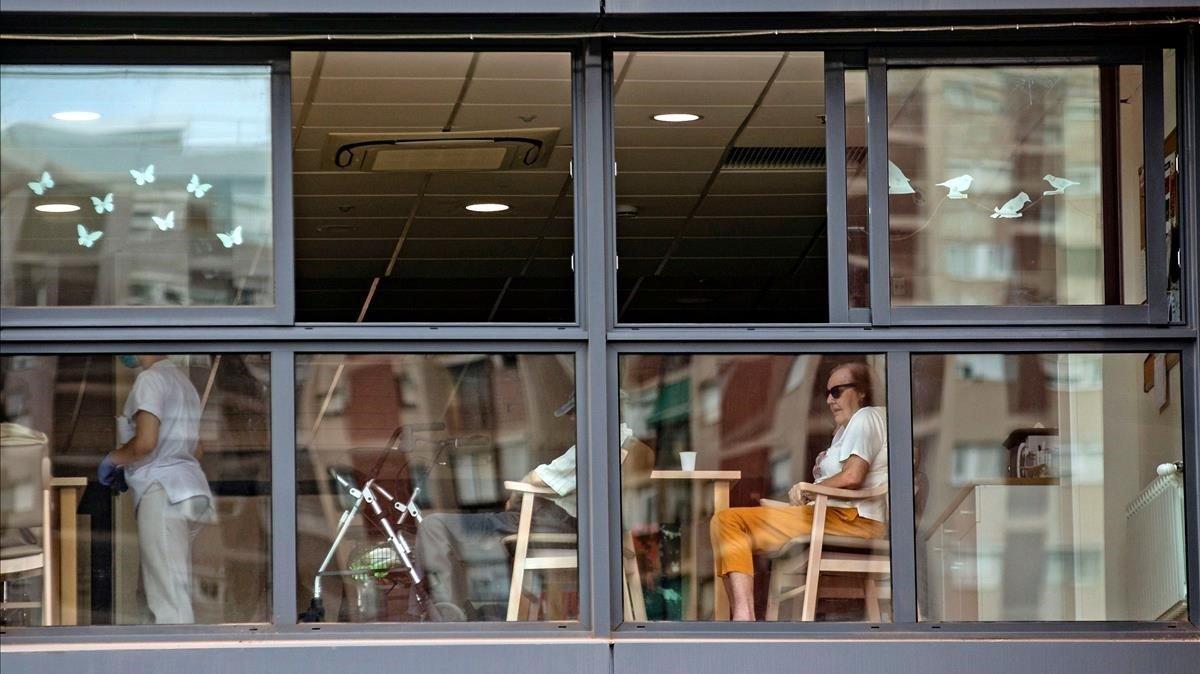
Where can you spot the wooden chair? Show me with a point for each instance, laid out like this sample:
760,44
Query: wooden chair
829,554
25,518
536,551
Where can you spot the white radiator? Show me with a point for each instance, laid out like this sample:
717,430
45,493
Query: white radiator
1156,568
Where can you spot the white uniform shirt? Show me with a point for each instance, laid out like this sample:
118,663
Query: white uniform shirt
559,474
864,436
164,391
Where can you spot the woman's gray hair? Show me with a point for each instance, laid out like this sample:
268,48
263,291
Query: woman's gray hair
863,376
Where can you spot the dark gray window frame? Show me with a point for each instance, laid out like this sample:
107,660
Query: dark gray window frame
283,309
885,313
597,343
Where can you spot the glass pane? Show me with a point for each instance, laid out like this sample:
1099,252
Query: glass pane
1171,166
1039,487
136,186
1016,186
721,187
156,470
433,186
706,438
857,214
440,443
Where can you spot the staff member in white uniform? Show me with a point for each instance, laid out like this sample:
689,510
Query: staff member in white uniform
160,432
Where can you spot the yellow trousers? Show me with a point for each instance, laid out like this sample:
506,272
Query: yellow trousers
738,533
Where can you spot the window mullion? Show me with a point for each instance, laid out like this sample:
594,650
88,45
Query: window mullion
283,487
835,187
1156,243
902,522
877,189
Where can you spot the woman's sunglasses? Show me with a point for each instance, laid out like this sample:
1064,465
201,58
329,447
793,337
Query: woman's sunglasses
836,391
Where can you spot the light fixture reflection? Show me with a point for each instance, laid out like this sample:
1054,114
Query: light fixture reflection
676,117
76,116
487,208
56,208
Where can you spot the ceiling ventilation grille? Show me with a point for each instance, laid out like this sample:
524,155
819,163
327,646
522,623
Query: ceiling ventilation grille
786,158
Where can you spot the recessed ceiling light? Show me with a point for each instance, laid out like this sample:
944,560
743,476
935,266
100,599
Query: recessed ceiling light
676,117
487,208
56,208
76,116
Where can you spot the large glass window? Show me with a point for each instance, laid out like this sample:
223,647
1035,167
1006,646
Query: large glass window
728,461
433,187
136,186
436,487
135,489
1049,486
1016,186
721,187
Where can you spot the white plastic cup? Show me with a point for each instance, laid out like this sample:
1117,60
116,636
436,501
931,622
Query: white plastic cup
687,461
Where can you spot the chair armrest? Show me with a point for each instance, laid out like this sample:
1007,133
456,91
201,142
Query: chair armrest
810,488
527,488
772,503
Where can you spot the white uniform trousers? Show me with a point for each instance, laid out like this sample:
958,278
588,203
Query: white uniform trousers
165,534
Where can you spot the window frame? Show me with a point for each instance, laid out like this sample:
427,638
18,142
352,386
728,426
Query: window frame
282,310
883,312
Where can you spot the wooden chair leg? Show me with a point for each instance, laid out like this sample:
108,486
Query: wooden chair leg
871,597
774,589
635,600
814,559
519,557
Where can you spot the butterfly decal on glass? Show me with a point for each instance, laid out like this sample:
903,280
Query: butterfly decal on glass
42,184
198,188
166,222
144,176
104,205
231,239
87,239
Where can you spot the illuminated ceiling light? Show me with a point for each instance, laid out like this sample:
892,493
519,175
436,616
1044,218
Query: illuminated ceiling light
487,208
76,116
676,117
56,208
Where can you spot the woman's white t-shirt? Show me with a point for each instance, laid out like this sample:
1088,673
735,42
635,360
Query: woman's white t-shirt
864,436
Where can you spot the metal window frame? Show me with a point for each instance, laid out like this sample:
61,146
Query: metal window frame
283,281
884,312
597,344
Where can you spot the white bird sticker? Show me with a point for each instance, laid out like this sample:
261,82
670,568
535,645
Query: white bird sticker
958,186
104,205
87,239
143,177
231,239
44,183
1060,185
897,181
198,188
165,223
1012,208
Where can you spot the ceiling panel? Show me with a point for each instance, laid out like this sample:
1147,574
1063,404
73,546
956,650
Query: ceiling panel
803,67
703,66
314,137
350,227
386,90
661,183
712,115
774,136
344,248
678,159
795,93
380,115
396,64
790,115
520,92
466,228
357,270
524,65
676,136
762,204
520,206
514,116
770,182
659,205
505,182
684,93
353,205
356,182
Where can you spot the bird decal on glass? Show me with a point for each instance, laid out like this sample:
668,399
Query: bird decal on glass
897,181
1011,208
958,186
1060,185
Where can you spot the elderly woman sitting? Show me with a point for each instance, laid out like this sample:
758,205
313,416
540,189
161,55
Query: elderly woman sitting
857,459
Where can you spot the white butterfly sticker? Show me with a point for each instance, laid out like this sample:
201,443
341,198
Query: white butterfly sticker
165,223
231,239
103,205
87,239
44,183
143,177
198,188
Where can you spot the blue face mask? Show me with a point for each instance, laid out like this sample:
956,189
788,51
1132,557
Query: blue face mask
129,361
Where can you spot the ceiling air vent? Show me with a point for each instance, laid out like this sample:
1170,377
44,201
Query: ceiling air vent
785,158
429,152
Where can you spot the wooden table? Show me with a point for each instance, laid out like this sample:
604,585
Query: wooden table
70,490
720,479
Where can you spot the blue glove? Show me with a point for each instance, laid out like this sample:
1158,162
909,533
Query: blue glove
111,475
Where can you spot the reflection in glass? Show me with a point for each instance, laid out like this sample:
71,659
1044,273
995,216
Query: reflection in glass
1016,186
761,427
721,219
143,186
857,220
448,446
1038,487
433,186
158,471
